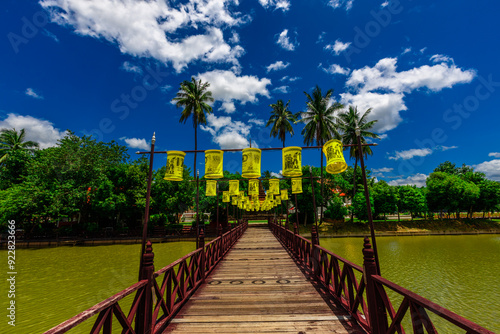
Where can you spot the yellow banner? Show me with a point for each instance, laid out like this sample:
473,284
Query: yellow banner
225,197
292,161
335,162
274,186
213,164
297,185
253,187
234,200
284,194
175,161
234,187
211,188
251,163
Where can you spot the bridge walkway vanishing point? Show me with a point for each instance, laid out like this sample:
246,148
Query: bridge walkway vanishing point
258,288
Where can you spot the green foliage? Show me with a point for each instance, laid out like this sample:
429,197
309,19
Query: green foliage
359,206
385,198
336,208
411,199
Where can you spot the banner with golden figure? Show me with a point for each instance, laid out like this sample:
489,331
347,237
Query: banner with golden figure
213,164
225,197
211,188
234,187
175,163
274,186
297,185
292,161
251,163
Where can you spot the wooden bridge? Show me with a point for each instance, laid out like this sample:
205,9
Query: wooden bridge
264,280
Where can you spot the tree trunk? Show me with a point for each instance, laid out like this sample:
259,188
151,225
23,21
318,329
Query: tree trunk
354,187
321,180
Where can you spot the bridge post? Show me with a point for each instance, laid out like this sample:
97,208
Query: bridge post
144,318
376,308
201,244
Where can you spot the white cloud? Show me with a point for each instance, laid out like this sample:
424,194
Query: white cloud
156,27
442,59
228,133
415,152
382,170
129,67
490,168
136,143
422,50
227,87
50,35
335,69
33,94
279,65
405,51
40,131
386,108
284,41
382,88
283,5
339,3
494,154
384,4
292,79
278,175
338,47
383,136
413,180
257,122
446,148
282,89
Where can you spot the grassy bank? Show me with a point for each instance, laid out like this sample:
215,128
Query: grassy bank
406,226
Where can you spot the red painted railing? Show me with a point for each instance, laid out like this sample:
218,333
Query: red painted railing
366,300
178,281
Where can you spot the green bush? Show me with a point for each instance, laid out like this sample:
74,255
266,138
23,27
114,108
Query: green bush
336,209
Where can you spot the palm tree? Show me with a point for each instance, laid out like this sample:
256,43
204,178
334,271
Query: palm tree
11,140
320,122
194,97
281,119
348,121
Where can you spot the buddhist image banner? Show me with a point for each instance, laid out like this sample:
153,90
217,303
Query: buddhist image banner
234,187
297,185
225,197
253,187
274,186
211,188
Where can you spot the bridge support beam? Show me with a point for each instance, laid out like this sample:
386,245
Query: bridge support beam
144,320
376,308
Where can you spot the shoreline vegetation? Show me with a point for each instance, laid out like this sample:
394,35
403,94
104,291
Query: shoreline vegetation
417,227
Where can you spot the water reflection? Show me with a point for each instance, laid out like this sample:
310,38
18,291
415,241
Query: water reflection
460,273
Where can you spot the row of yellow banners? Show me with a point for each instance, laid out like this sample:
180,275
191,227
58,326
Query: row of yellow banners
237,197
251,162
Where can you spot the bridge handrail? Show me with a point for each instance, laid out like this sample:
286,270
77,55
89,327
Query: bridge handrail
181,279
367,301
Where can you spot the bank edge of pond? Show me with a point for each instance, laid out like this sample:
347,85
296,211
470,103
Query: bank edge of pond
402,234
90,242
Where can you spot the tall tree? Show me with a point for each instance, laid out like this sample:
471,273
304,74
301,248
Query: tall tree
320,121
194,97
11,140
348,121
281,119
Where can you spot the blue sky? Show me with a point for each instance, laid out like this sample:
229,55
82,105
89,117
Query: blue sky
110,68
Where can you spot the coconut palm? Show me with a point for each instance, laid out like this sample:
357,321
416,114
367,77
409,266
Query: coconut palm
281,119
11,140
348,121
320,122
194,97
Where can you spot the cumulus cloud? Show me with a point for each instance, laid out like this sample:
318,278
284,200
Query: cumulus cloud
412,180
41,131
408,154
341,3
337,47
129,67
283,5
494,154
383,88
382,170
227,87
284,41
279,65
33,94
152,28
136,143
256,121
282,89
335,69
442,59
226,132
490,168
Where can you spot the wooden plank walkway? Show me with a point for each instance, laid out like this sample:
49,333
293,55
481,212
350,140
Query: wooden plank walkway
258,288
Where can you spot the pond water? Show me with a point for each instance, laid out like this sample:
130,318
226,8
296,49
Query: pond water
54,284
460,272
